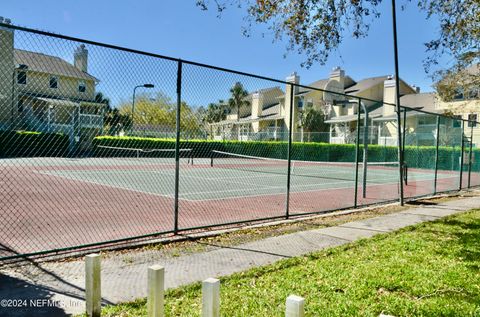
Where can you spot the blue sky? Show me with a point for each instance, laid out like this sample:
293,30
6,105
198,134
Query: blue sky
180,29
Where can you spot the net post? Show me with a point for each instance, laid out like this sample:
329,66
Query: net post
289,152
177,144
461,157
357,150
365,153
436,155
470,154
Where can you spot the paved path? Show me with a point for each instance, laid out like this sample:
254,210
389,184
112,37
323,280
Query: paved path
124,276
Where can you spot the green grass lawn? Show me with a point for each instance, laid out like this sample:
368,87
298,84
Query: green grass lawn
432,269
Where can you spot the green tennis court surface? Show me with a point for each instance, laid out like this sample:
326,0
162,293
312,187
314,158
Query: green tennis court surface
226,179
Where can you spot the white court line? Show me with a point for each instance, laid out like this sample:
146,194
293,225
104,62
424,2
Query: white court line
107,185
233,190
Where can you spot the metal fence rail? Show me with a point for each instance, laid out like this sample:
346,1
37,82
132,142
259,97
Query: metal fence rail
101,144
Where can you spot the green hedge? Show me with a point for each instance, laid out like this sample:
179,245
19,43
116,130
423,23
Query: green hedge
415,156
29,144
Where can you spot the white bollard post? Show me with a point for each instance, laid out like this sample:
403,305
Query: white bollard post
295,306
93,294
211,298
156,285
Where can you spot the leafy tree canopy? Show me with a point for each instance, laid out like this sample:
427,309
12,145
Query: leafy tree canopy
160,112
317,27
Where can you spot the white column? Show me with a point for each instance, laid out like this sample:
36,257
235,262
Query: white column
295,306
93,293
156,284
211,298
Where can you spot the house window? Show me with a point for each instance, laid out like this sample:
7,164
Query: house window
427,120
472,120
474,93
244,129
20,105
457,122
81,86
53,82
458,94
384,130
22,78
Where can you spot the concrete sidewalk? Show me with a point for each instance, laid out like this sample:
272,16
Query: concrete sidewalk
124,276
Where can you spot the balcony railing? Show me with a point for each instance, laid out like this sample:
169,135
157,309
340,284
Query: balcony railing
91,120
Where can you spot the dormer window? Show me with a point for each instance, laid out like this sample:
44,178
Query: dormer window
458,94
53,82
22,78
82,86
300,103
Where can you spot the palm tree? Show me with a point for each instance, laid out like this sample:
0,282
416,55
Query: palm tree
237,100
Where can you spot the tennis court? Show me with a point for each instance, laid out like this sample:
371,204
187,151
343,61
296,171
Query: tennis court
229,177
63,202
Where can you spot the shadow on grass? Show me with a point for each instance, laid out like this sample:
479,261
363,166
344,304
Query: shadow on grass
468,238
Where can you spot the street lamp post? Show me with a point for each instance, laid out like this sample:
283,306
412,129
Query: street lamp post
133,101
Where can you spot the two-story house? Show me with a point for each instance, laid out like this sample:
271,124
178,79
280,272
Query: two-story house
421,127
269,114
45,93
260,118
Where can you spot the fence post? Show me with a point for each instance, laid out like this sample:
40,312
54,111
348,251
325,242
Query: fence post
436,155
211,298
470,154
295,306
365,153
461,157
156,284
397,103
404,130
357,150
289,152
93,293
177,144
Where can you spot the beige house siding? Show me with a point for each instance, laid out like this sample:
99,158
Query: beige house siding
39,84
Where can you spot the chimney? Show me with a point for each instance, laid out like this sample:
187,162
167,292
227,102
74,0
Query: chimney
257,104
294,79
80,58
417,89
338,74
389,95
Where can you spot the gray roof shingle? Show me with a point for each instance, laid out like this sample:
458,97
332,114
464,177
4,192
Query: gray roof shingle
42,63
365,84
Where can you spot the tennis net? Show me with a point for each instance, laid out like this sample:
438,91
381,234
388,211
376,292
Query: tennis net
142,154
377,171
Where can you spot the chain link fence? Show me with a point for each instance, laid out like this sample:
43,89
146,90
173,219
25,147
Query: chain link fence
103,145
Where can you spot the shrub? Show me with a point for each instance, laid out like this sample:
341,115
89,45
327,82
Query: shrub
28,144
